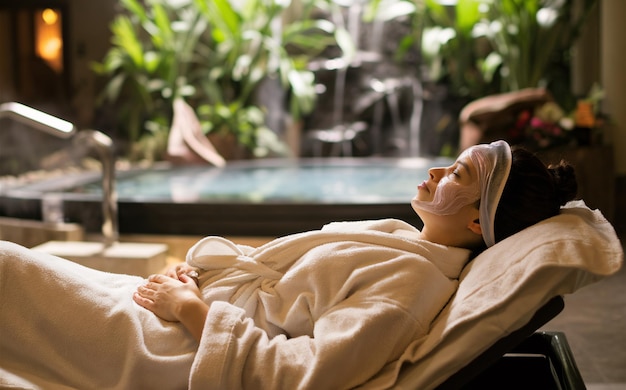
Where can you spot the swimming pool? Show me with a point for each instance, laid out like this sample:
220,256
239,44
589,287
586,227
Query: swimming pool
249,198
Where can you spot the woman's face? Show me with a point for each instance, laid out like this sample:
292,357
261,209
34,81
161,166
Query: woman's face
448,190
447,203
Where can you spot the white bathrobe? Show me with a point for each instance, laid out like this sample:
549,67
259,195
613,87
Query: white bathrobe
326,309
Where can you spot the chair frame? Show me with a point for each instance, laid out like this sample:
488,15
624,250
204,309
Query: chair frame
552,346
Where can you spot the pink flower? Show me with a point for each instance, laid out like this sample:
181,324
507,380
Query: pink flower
536,122
523,118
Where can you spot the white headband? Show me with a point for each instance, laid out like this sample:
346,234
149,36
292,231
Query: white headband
493,163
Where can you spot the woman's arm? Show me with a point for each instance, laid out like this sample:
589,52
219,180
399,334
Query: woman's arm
349,346
174,300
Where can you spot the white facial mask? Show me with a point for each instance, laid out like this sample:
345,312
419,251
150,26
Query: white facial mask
450,197
492,163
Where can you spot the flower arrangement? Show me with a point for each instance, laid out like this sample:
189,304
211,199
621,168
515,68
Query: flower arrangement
548,125
542,127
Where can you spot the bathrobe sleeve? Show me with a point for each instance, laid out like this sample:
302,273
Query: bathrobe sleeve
240,355
369,314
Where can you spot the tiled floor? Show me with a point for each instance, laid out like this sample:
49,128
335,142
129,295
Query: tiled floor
594,323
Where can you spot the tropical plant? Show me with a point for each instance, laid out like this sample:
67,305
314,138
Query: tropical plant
532,40
444,35
251,42
451,50
152,60
215,55
479,47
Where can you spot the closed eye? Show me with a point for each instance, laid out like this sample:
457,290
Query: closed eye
456,172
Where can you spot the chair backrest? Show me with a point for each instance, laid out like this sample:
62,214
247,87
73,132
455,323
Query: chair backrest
506,288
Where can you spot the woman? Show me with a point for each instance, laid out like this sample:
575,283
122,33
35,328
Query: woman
333,308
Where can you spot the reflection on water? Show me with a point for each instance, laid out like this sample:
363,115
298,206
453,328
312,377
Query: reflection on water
377,181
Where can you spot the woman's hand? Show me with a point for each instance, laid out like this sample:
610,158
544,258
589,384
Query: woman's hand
168,296
182,269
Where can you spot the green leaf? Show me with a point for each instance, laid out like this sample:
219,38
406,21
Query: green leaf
438,13
163,36
114,87
303,87
467,15
345,43
391,9
136,9
125,38
152,59
223,16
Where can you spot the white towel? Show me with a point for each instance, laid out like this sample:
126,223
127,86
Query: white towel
64,326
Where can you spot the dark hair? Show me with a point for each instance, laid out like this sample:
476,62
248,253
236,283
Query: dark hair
533,192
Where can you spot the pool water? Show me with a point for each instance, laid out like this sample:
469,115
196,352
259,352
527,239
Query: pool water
246,198
377,181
